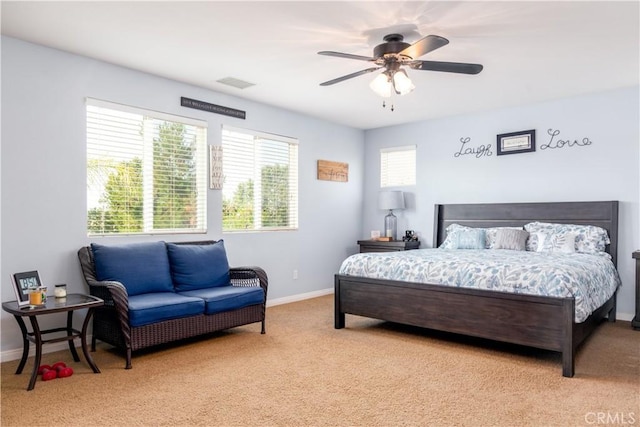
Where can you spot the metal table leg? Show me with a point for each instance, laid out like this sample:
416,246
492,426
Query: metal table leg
38,341
25,345
83,339
72,348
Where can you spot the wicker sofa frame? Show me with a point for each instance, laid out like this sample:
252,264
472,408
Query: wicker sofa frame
111,322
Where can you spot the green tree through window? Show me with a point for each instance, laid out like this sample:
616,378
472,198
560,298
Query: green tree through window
145,174
260,190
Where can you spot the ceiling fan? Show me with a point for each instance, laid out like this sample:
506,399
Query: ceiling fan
392,55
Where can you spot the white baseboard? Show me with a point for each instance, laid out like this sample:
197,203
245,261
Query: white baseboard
299,297
625,316
16,354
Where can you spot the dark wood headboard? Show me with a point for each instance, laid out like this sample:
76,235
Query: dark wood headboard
601,214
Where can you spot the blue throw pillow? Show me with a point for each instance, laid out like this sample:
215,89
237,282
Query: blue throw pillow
198,266
472,238
140,267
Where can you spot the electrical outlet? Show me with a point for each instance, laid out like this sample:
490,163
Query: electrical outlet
295,274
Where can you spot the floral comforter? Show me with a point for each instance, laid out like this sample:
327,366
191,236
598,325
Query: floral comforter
591,279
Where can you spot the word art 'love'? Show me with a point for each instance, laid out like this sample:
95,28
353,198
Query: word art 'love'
561,143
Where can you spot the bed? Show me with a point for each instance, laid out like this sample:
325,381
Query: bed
537,321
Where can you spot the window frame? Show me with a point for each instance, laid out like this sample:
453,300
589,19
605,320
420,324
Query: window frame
200,158
385,181
293,183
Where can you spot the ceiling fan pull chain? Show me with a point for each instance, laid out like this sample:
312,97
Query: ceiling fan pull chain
384,105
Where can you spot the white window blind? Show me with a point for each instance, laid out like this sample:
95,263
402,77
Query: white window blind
398,166
260,190
146,171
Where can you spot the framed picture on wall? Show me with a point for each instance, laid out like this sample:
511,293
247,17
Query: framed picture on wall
517,142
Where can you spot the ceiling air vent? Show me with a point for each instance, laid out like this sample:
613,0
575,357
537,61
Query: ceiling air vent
240,84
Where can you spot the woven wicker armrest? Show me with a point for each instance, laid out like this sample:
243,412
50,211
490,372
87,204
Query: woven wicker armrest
113,293
249,276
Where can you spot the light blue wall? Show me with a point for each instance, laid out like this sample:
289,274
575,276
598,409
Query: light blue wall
42,170
44,178
605,170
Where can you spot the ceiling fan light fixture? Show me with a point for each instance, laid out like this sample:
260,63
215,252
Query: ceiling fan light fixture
381,85
402,83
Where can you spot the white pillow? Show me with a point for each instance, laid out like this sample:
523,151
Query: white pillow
589,238
558,242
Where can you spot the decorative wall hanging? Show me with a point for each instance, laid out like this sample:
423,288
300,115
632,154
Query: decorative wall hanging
212,108
333,171
560,143
216,177
517,142
479,151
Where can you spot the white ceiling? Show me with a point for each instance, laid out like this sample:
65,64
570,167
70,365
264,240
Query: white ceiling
531,51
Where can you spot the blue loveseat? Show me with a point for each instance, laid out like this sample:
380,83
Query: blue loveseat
160,292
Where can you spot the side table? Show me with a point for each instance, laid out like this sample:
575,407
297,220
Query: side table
380,246
53,305
635,323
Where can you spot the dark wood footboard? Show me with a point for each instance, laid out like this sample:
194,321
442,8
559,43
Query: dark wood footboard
540,322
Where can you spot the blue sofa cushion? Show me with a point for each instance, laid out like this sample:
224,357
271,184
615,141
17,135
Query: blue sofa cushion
145,309
198,266
140,267
226,298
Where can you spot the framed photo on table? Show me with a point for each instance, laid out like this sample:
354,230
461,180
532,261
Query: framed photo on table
516,142
21,284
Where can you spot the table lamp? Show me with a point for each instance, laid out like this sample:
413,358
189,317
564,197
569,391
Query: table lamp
391,200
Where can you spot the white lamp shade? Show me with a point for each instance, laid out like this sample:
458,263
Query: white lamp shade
381,85
391,200
402,83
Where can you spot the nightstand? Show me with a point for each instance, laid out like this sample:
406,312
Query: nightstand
379,246
635,323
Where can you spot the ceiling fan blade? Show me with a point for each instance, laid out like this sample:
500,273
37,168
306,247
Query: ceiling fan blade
447,67
423,46
349,76
345,55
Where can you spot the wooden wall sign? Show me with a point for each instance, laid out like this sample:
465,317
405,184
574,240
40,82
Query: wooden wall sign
333,171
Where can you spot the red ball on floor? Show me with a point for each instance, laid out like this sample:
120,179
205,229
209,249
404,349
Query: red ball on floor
42,368
49,374
57,365
64,371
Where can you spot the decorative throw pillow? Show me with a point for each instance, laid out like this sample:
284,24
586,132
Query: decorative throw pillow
198,266
511,239
140,267
589,238
490,235
472,238
559,242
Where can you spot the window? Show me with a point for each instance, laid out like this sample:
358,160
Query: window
260,190
398,166
146,171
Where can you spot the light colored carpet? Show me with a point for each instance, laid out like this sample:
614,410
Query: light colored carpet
303,372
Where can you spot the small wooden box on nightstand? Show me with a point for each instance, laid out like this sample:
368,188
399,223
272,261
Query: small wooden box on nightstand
394,245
